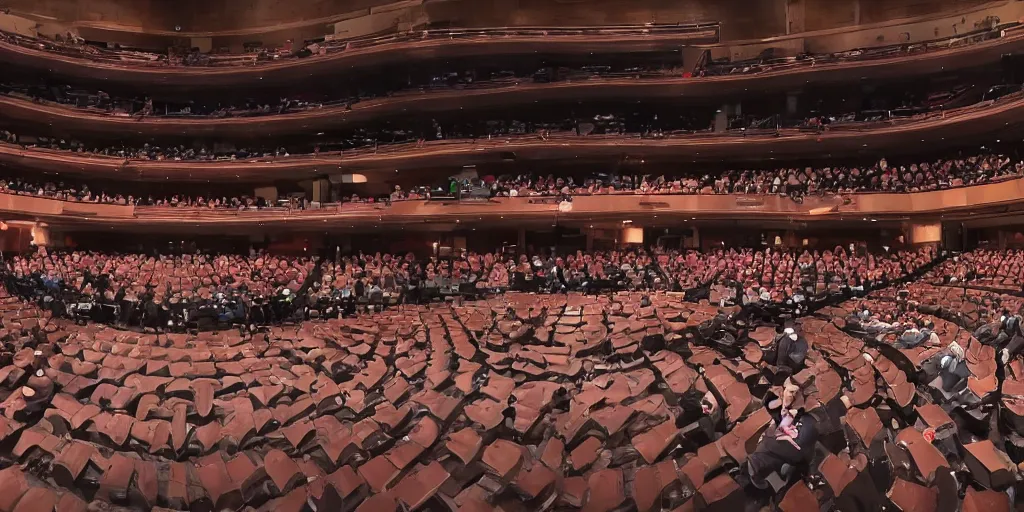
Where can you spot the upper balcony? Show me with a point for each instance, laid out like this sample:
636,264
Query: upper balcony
723,81
999,118
343,54
375,33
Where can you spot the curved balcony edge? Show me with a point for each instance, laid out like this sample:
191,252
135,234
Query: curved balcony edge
949,203
393,48
371,55
974,121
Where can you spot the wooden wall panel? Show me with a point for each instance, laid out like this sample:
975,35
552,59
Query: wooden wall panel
271,20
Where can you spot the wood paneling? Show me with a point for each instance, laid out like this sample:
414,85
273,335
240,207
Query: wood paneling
273,20
922,209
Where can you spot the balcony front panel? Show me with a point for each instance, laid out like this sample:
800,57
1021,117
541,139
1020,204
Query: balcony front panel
953,203
911,34
372,51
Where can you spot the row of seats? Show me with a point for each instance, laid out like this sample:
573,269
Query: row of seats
588,402
237,287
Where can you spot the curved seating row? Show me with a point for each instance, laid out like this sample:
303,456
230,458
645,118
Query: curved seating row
590,403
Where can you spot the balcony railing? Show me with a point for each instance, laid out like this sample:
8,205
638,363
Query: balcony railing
583,208
701,32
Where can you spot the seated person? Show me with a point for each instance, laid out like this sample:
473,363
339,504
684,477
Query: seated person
702,417
1011,329
870,323
952,368
37,391
789,439
790,351
997,333
913,337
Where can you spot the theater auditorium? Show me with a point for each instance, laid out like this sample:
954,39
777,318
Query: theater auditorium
512,255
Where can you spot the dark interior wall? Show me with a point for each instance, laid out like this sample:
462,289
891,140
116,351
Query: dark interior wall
829,14
741,19
193,15
226,15
825,14
155,14
877,12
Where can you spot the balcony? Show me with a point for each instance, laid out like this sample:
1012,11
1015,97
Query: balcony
1000,117
960,203
856,52
150,68
773,75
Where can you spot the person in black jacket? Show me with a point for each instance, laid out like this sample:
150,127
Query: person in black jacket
790,351
789,440
151,312
1011,326
953,368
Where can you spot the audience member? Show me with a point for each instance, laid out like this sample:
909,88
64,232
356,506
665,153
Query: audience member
795,183
231,284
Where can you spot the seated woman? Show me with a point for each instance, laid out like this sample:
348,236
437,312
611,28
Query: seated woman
498,278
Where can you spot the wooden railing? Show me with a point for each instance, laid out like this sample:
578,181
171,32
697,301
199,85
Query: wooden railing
596,207
696,32
225,70
43,207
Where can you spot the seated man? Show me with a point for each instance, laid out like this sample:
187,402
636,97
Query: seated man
996,333
1012,329
37,392
947,371
790,351
702,417
789,439
953,369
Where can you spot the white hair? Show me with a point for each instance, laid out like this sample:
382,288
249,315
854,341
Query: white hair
956,350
